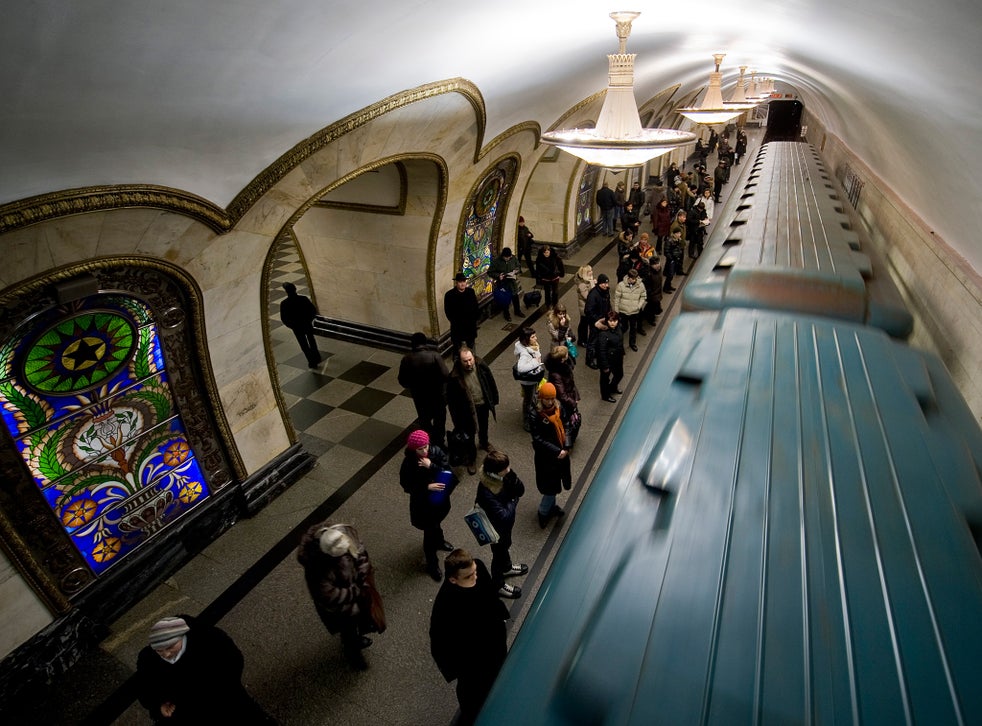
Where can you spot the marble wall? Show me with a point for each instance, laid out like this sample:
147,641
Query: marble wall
940,288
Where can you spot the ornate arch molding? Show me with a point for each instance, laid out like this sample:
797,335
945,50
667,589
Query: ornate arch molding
44,207
272,174
28,532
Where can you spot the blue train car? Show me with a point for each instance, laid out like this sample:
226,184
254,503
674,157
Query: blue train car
779,533
785,243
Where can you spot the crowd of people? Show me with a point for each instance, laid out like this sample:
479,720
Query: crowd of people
467,624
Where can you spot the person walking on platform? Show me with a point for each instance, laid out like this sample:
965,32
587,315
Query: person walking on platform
297,313
424,374
426,477
191,673
549,270
472,394
606,202
523,242
461,308
340,580
503,273
549,442
610,355
498,495
468,640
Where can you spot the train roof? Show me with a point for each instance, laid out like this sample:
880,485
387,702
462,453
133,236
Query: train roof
786,242
778,533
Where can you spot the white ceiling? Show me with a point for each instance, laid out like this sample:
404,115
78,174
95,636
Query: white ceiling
201,95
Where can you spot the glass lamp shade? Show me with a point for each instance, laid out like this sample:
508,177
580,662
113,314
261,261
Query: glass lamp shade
618,141
713,110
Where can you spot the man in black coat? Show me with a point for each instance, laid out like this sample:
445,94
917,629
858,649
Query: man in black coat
424,373
468,640
595,311
460,307
192,674
472,394
606,201
297,313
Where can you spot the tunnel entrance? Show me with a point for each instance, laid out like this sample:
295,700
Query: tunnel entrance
783,121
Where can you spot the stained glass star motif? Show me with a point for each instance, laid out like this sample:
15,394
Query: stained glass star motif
79,353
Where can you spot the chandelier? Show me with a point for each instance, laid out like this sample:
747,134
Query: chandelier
713,110
618,141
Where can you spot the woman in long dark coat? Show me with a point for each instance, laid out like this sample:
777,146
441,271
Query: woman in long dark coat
429,498
549,441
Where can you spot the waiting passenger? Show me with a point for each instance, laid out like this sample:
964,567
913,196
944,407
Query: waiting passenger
498,495
629,301
472,394
468,639
423,467
559,372
610,356
528,368
549,270
551,446
584,283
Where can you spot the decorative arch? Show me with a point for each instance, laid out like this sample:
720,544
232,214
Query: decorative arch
112,425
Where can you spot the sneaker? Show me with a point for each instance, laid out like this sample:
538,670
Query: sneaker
634,347
517,570
510,591
447,547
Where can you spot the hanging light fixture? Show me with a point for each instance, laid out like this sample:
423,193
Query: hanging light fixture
739,95
618,141
713,111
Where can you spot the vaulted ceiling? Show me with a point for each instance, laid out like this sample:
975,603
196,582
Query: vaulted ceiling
202,96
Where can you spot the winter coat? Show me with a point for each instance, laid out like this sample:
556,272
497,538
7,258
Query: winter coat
605,198
597,305
504,273
527,359
498,497
424,373
552,474
461,406
610,347
462,311
467,629
205,684
651,278
336,584
548,269
560,374
661,220
424,512
583,287
630,299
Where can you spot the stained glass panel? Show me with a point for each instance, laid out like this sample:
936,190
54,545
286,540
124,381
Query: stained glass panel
481,235
86,399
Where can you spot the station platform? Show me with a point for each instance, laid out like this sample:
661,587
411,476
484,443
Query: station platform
352,414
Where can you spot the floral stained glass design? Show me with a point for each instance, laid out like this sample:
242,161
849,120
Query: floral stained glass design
584,202
482,229
87,401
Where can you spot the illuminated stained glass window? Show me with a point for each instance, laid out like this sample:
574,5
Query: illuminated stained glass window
85,397
481,237
584,203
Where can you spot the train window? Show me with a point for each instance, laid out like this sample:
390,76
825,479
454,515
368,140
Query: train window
743,207
738,222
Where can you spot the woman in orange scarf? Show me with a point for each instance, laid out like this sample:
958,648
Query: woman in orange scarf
549,441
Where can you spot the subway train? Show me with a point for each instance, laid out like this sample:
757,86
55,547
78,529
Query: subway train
785,526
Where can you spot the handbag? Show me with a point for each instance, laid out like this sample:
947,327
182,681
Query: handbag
532,376
481,527
375,617
502,296
571,347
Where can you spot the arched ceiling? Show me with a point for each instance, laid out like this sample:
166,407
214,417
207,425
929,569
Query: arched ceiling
202,96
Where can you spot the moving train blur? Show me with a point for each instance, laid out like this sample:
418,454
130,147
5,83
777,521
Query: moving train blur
784,527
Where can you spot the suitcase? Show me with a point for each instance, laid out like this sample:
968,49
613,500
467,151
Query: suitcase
532,299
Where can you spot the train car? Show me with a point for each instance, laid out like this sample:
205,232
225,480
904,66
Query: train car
785,242
780,532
